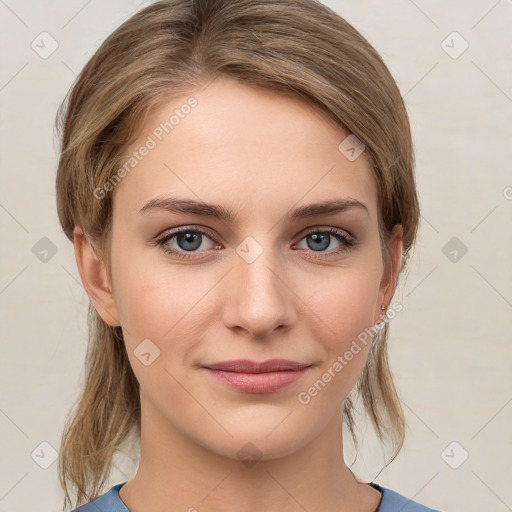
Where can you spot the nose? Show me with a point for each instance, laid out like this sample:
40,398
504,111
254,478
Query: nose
259,297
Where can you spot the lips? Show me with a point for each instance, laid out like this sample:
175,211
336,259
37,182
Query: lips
257,377
247,366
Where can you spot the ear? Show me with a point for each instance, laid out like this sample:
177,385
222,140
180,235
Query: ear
94,278
391,270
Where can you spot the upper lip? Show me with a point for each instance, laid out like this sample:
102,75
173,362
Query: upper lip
247,366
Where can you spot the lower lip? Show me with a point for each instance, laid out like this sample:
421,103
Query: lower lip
267,382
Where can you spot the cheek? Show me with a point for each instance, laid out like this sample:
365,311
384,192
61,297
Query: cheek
344,302
342,312
161,302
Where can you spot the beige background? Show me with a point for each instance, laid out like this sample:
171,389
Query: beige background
450,347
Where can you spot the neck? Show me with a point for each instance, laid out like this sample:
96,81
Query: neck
177,474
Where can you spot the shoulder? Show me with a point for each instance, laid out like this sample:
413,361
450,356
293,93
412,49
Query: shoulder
111,502
108,502
392,501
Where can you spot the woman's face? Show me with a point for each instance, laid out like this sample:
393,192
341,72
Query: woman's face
268,281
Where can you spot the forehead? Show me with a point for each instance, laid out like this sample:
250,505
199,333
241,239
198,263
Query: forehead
247,147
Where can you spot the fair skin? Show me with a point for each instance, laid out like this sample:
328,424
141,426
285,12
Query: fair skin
259,155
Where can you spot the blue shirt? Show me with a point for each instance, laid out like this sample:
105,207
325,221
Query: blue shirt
391,501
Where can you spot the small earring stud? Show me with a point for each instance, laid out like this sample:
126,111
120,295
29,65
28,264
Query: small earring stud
382,307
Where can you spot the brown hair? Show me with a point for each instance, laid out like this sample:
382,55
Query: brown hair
297,47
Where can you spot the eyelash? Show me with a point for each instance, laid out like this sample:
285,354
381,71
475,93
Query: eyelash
347,242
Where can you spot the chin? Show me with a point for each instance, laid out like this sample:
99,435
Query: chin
268,435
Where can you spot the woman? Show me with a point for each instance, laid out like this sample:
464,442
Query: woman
238,182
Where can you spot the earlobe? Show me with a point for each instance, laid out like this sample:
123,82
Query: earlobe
94,278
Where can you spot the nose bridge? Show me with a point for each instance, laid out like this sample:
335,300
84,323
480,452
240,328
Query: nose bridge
260,300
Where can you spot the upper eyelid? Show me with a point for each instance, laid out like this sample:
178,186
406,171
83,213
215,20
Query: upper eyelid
321,229
181,229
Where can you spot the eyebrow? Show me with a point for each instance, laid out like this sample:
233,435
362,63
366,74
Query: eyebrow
191,206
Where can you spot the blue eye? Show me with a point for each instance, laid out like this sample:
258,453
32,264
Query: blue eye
319,240
190,240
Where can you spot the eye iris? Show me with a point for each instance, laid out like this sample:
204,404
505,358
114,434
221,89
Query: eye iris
320,241
189,238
